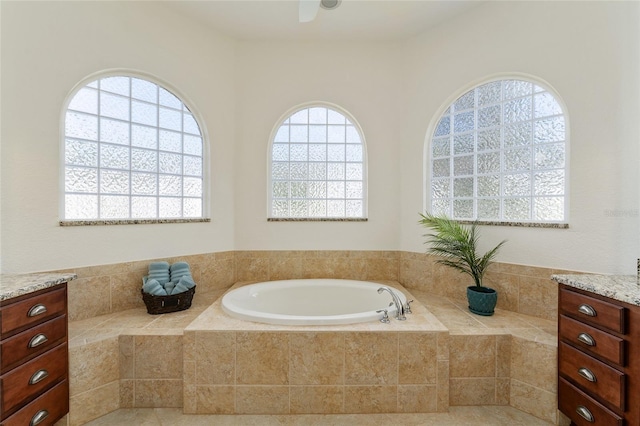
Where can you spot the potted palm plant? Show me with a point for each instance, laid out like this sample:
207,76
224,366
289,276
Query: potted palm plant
456,246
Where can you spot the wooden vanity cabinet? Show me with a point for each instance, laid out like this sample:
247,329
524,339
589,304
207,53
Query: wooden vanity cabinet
34,358
598,359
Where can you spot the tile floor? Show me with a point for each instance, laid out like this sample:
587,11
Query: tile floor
457,416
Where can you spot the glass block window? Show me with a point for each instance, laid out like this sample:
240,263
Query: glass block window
498,154
317,166
132,150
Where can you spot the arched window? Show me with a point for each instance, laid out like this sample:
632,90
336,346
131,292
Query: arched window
498,154
317,167
132,151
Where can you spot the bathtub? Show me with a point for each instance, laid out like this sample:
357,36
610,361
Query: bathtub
309,302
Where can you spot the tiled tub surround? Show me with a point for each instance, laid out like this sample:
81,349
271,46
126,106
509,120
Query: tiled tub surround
240,367
105,289
105,303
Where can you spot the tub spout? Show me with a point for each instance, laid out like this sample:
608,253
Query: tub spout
396,300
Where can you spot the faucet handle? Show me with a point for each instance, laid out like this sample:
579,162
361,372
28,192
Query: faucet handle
385,316
407,307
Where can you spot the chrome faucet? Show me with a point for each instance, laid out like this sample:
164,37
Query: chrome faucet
396,300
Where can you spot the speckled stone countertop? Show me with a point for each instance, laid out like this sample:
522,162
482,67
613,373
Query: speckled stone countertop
16,285
624,288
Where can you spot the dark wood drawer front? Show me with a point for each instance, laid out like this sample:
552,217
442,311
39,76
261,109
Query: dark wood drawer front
594,376
27,381
593,340
33,342
593,310
32,311
50,407
579,407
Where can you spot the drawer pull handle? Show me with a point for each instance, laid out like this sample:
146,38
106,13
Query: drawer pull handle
587,374
585,413
36,310
586,339
587,310
39,417
38,376
37,340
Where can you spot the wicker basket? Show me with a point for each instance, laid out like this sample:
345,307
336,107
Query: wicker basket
165,304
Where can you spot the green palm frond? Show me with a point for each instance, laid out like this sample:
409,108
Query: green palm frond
456,244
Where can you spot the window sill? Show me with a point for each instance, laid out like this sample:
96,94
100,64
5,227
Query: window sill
130,221
317,219
518,224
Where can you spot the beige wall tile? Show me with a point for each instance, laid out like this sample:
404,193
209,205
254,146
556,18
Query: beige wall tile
370,399
215,358
158,357
126,361
252,269
97,402
262,399
503,355
472,391
382,269
503,390
474,357
125,291
443,346
317,399
284,267
214,399
534,363
443,387
165,393
93,365
371,358
534,401
317,358
417,359
262,358
417,398
189,401
127,389
538,297
507,287
88,297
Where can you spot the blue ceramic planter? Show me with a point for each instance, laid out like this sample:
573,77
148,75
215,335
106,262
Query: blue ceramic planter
482,300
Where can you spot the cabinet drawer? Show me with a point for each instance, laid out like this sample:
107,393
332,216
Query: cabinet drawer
23,383
32,311
592,340
32,342
594,311
592,375
582,409
48,408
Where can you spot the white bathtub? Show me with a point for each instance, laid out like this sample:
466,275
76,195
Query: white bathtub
309,302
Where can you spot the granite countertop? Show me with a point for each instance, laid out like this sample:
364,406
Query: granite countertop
16,285
624,288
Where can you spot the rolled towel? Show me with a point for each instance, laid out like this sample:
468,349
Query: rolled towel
152,286
159,266
179,288
180,265
187,282
169,286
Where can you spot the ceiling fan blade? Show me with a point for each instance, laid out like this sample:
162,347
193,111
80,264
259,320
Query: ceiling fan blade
308,10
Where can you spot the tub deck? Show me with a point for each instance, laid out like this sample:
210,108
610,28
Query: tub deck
143,361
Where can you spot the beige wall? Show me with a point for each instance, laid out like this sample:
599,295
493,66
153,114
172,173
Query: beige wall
47,49
587,51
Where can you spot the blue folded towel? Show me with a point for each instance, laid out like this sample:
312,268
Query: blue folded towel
169,286
179,288
153,287
187,282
